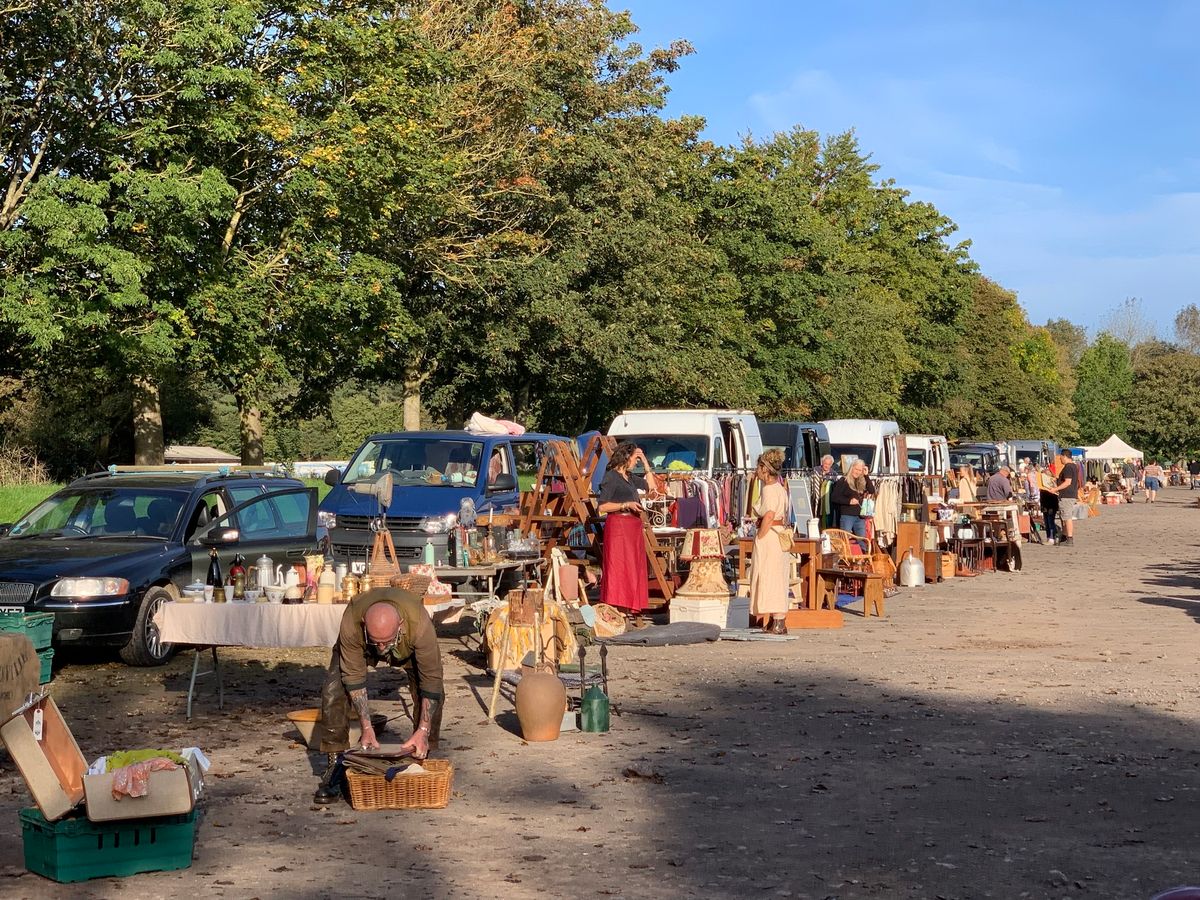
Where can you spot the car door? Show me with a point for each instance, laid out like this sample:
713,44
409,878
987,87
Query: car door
281,524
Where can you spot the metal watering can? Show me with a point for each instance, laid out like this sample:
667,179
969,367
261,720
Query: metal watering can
912,570
594,707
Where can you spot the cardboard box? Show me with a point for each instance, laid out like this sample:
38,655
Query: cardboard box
56,773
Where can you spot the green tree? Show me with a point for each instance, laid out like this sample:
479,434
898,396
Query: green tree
1164,405
1071,338
1187,328
1104,379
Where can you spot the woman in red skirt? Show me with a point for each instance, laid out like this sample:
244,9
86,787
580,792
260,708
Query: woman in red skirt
624,584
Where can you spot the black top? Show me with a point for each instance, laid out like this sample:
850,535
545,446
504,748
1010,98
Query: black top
615,489
841,494
1070,470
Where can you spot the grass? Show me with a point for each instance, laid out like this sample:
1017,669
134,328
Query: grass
319,484
18,499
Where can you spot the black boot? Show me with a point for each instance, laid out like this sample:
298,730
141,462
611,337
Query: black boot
330,788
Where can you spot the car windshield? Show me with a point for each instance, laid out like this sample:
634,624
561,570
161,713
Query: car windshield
673,452
843,453
109,512
428,461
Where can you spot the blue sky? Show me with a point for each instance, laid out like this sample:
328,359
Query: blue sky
1061,137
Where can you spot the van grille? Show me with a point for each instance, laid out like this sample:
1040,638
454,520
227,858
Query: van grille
357,551
363,523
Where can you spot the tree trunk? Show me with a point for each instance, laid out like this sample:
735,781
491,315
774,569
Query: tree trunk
412,401
251,429
147,423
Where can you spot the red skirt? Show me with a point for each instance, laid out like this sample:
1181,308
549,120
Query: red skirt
625,581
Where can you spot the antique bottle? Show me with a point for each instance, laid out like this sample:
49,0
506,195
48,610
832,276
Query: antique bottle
214,578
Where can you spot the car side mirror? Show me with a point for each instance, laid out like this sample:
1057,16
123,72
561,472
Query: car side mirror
5,528
332,477
220,537
502,483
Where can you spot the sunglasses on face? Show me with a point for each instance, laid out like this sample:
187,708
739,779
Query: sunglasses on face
383,648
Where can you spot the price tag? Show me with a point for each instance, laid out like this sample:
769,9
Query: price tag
37,724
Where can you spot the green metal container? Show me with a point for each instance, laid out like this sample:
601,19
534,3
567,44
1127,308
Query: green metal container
594,711
74,849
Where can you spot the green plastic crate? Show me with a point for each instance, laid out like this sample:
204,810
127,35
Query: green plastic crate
74,849
47,659
38,627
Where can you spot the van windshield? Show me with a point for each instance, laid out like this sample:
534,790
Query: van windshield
843,453
411,461
672,452
982,462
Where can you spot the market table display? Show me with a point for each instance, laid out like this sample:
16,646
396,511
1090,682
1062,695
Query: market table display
208,626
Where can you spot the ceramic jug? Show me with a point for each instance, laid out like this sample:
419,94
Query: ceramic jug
541,700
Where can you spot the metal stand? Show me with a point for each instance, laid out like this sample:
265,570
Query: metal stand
196,673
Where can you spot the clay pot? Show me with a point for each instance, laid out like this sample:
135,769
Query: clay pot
541,702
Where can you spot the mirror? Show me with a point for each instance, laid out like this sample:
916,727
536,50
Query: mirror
219,536
503,482
5,528
332,477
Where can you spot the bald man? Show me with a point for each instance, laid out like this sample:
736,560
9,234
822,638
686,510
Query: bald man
380,625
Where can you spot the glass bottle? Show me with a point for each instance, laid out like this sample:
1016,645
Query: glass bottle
214,578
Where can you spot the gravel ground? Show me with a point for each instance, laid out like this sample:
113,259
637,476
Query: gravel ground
1012,735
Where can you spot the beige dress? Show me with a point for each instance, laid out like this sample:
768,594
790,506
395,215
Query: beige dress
769,566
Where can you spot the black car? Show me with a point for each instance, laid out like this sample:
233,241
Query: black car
104,553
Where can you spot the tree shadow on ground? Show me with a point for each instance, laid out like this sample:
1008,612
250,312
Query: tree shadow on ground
778,780
1181,580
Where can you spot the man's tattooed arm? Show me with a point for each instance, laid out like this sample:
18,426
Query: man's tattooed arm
358,699
429,708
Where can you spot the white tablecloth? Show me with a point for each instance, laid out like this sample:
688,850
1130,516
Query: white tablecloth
250,624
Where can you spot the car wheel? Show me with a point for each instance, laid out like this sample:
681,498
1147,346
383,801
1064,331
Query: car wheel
144,647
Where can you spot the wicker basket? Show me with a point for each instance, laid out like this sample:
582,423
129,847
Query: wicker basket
430,790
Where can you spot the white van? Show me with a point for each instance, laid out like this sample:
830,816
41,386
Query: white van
928,454
877,442
700,440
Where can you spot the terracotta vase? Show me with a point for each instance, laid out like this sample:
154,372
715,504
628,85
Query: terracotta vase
541,702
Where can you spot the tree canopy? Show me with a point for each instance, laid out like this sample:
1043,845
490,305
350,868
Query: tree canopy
440,206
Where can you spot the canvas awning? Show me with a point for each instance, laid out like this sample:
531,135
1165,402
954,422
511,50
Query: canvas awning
1113,448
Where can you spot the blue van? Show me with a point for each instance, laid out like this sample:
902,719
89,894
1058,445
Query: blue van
432,473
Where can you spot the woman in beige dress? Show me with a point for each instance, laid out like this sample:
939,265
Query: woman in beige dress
770,563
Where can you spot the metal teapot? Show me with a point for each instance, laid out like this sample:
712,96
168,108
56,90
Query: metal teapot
912,570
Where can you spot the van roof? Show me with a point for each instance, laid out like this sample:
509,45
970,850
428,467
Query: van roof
460,435
711,412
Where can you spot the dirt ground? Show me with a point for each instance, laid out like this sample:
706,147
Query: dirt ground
1029,735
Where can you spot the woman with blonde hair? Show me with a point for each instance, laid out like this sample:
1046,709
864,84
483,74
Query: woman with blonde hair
770,563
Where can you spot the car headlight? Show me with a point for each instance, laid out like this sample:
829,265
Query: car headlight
326,519
90,587
439,524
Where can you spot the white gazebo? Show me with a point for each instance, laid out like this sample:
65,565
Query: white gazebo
1113,448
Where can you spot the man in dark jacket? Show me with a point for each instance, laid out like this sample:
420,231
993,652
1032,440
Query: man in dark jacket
380,625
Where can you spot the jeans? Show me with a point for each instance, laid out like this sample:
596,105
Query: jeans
853,524
1050,520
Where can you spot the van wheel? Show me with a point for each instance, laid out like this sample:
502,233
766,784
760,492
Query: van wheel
144,647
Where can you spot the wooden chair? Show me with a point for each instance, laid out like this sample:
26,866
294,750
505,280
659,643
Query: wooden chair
845,544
